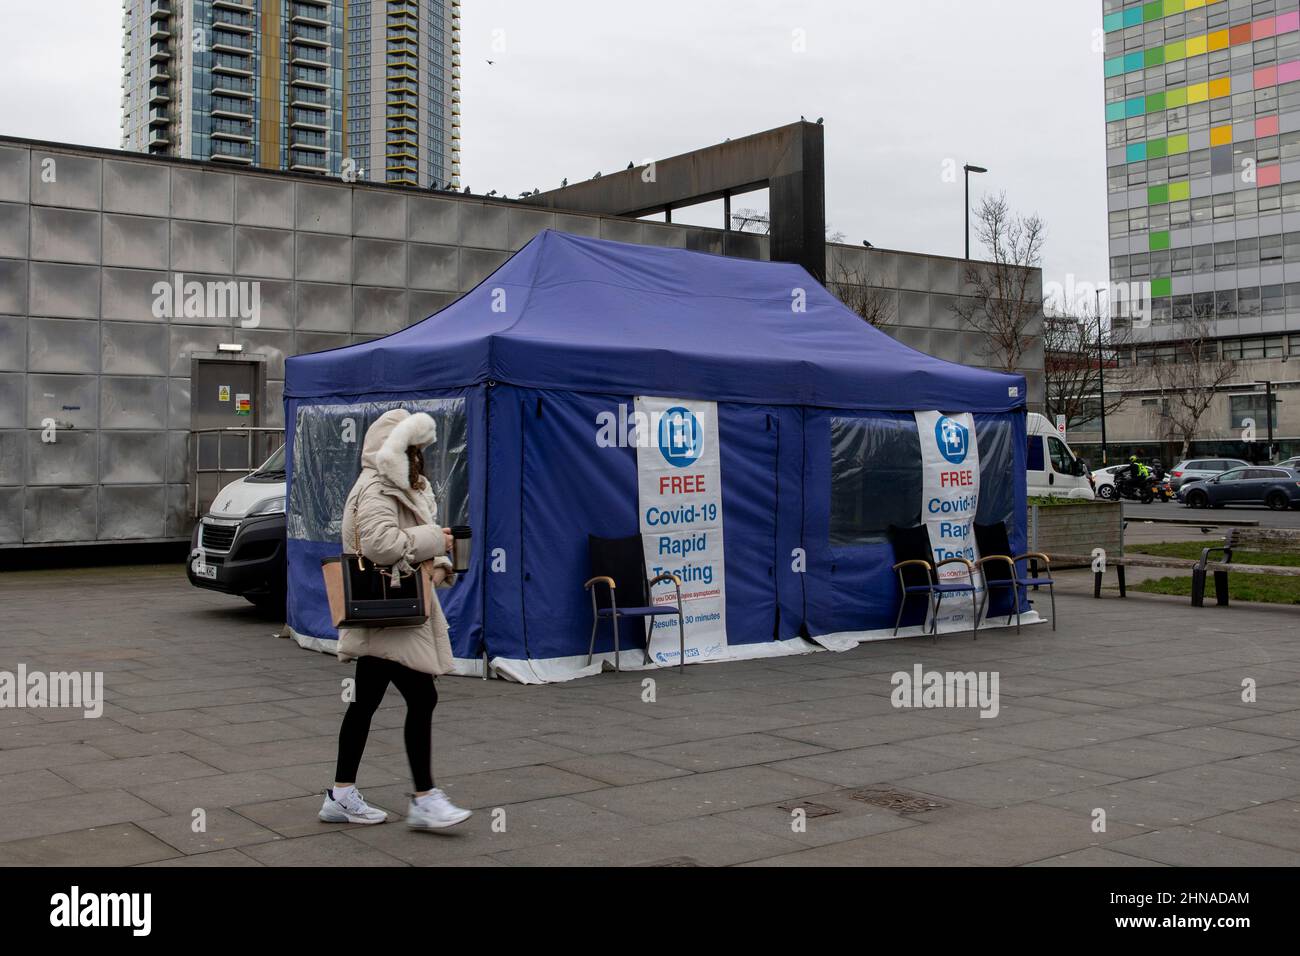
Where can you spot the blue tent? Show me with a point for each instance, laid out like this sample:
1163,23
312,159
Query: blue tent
819,449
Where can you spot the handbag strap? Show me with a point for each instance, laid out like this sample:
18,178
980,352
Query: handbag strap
356,529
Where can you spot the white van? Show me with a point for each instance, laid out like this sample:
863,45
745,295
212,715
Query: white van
1053,468
238,547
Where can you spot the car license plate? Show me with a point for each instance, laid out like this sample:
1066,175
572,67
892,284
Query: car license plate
208,571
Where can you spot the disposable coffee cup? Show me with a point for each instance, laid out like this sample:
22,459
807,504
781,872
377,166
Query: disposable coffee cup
461,543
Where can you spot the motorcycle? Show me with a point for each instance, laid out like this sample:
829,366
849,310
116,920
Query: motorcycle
1135,489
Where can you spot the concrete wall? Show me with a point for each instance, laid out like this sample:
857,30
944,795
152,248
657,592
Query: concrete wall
85,234
920,292
1076,529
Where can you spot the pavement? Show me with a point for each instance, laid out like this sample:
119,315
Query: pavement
1121,739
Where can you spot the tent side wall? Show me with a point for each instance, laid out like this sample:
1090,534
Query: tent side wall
552,483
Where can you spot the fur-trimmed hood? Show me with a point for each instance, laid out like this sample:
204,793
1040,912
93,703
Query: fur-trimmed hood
387,439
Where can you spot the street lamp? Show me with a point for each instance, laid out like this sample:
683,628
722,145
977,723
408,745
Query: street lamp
970,169
1101,381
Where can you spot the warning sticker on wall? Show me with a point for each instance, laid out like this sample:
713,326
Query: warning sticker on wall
223,393
243,403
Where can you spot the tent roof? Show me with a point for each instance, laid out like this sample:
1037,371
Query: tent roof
578,314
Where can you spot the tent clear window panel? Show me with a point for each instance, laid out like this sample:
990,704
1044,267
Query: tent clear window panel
875,478
327,459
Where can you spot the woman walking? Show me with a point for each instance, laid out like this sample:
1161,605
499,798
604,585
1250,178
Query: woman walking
392,513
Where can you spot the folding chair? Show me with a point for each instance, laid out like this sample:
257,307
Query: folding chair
918,575
998,566
619,564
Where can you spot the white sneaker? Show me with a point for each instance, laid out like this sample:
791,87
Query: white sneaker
350,808
434,811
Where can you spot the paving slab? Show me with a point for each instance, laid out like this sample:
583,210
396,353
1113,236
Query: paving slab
206,710
1185,846
123,844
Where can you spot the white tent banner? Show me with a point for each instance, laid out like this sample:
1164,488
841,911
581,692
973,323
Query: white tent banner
679,476
950,483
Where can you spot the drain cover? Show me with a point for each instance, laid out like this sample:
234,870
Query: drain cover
810,809
896,800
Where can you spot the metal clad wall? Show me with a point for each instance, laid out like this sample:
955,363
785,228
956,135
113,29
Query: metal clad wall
84,237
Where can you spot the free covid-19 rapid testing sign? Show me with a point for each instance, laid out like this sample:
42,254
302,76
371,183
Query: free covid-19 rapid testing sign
679,474
950,493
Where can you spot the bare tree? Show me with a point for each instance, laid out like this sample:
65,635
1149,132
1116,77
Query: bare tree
1190,379
1005,297
1076,365
855,288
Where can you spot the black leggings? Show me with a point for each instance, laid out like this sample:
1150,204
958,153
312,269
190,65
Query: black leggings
373,677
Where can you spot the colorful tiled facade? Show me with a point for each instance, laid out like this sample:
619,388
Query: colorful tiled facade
1203,157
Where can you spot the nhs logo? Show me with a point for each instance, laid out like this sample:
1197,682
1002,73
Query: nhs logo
681,439
953,439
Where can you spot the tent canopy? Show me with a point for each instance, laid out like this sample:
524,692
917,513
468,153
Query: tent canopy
588,315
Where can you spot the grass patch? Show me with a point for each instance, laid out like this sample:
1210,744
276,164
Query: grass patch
1262,588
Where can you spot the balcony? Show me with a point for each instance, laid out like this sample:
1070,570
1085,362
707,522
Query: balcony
308,119
159,117
159,74
160,9
223,42
310,15
229,20
246,6
231,151
311,79
162,93
307,162
225,85
158,30
160,51
309,56
232,63
240,131
313,36
158,137
232,109
302,97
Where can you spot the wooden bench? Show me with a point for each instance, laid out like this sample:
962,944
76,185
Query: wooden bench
1281,540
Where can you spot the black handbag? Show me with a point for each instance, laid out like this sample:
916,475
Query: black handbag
362,594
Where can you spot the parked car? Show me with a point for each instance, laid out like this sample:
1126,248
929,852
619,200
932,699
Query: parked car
1290,463
238,547
1194,468
1104,480
1279,488
1053,469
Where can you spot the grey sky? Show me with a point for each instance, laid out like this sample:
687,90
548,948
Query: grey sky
584,85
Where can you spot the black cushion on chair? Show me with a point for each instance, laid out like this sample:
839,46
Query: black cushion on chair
991,539
912,544
622,559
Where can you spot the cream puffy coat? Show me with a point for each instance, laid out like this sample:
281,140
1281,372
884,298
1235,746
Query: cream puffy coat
398,527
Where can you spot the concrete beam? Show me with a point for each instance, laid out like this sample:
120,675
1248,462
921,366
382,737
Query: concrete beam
789,160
